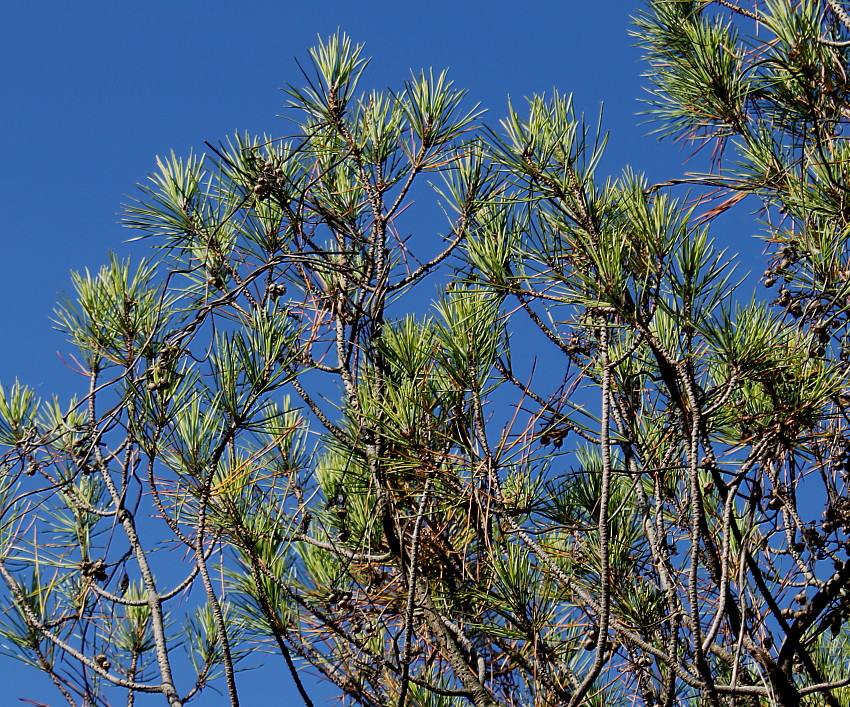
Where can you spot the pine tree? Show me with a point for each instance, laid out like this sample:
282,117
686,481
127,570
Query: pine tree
597,469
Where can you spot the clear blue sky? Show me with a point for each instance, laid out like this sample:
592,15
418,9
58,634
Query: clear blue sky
92,91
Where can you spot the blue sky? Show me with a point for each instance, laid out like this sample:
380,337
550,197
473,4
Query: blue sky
92,91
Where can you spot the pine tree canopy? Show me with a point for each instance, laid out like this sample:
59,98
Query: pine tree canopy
432,407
